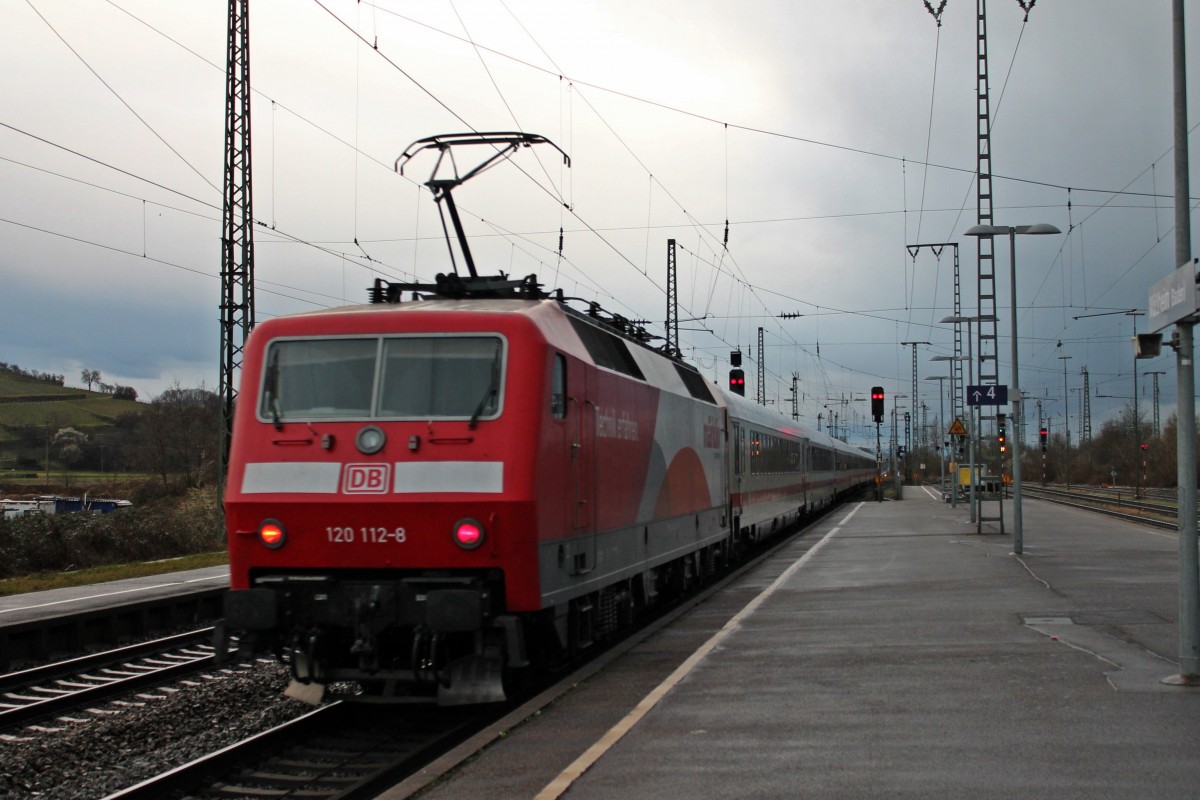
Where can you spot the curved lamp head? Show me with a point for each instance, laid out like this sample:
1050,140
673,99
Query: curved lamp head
1037,229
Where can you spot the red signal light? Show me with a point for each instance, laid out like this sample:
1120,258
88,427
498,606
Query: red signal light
737,381
468,534
877,403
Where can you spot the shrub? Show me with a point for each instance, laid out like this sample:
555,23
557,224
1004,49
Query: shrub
161,529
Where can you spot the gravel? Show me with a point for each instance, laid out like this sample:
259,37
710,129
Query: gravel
90,755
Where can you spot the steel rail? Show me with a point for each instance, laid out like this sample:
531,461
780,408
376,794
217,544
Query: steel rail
341,751
71,666
1042,494
44,691
1102,497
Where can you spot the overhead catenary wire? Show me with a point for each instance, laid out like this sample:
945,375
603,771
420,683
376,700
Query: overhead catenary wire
912,300
724,124
120,99
381,268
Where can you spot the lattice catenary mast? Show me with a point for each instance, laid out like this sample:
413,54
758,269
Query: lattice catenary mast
237,239
1085,431
672,349
989,364
762,371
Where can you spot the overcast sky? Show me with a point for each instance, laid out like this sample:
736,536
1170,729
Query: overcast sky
829,134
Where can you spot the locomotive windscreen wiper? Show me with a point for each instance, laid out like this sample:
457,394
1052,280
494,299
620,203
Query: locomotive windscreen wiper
493,389
271,390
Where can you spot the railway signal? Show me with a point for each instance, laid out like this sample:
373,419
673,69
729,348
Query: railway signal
877,403
1001,433
1042,435
737,381
737,376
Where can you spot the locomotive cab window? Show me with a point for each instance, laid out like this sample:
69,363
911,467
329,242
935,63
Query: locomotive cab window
318,379
428,377
408,377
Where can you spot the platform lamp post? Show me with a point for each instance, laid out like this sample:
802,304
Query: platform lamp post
1185,384
1038,229
941,379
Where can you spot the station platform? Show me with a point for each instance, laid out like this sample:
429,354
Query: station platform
34,606
891,651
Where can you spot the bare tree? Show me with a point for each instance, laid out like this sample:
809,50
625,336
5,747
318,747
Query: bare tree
90,376
178,434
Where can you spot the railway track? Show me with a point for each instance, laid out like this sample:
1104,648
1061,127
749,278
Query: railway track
342,751
43,691
1154,514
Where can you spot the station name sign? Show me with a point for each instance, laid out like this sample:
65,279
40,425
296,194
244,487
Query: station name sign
1173,298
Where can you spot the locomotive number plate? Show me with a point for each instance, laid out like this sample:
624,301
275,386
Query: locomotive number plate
366,535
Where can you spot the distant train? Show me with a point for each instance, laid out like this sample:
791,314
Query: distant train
424,496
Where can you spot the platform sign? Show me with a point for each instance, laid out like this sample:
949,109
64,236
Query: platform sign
1173,298
988,395
964,474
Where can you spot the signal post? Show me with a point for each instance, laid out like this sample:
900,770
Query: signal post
877,415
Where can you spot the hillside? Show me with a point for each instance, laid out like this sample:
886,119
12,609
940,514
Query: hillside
30,408
25,402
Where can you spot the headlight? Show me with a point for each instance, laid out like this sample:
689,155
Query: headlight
272,534
370,440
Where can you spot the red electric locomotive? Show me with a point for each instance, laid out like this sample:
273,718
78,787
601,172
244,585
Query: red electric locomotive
424,495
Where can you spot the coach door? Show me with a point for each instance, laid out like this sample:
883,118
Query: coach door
738,446
805,473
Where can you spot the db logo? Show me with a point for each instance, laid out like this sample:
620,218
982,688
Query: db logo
367,479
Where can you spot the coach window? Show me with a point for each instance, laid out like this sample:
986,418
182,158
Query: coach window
558,388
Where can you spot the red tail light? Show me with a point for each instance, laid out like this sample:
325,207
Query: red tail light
468,534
